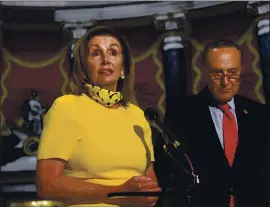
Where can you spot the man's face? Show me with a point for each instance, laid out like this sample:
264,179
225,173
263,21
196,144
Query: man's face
224,68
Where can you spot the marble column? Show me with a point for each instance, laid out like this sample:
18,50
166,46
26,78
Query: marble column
262,10
174,64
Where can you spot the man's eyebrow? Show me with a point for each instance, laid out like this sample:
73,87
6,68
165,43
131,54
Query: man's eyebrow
234,68
217,70
220,70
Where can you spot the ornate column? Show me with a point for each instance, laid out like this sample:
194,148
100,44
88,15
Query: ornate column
2,201
173,58
2,118
262,10
78,29
175,77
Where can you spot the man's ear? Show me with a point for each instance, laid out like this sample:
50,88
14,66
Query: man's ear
242,68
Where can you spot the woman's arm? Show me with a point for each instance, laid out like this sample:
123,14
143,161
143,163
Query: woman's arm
53,185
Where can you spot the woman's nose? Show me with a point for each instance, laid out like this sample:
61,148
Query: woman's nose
104,59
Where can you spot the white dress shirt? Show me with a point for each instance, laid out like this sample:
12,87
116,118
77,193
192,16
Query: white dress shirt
217,117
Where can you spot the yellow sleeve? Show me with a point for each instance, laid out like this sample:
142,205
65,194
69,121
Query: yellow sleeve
60,132
149,141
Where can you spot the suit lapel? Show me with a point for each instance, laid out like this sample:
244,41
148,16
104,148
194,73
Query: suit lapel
212,140
241,115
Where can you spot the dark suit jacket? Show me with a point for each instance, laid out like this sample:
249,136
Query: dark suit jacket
247,178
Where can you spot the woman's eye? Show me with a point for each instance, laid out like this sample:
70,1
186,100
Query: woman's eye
95,53
113,52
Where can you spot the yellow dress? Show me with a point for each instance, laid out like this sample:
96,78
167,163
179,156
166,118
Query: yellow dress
101,145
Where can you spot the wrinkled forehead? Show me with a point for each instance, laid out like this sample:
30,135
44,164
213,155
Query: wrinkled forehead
224,58
105,40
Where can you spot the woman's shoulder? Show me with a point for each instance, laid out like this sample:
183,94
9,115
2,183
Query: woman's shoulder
135,110
137,114
134,107
68,99
66,102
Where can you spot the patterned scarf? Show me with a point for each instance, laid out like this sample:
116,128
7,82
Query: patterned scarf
103,96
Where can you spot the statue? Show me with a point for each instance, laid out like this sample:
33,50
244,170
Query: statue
20,141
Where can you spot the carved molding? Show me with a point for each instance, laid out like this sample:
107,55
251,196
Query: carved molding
130,11
78,29
263,26
170,21
258,7
173,42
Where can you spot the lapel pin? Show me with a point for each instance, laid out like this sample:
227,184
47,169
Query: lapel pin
245,111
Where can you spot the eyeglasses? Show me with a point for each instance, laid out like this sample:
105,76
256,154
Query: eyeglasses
217,75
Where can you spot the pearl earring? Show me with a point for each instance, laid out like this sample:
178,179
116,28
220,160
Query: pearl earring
122,74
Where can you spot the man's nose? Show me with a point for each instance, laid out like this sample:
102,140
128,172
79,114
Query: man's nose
224,81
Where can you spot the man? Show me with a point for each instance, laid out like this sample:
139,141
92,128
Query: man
224,134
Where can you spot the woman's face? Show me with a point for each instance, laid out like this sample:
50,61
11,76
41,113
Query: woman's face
105,61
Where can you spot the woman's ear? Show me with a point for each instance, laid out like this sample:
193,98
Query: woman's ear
122,74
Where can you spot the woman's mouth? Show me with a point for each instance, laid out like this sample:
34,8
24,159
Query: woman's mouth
106,71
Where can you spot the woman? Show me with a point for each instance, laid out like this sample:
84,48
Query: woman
94,141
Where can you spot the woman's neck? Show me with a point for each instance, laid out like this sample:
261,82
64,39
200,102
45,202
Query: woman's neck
115,106
104,96
109,87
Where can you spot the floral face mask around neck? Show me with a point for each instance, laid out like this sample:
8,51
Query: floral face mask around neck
103,96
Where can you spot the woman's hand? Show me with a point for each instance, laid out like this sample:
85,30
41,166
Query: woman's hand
138,184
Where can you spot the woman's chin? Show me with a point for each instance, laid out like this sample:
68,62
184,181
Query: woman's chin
109,85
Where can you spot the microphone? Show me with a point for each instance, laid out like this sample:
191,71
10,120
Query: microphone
170,140
153,117
151,114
